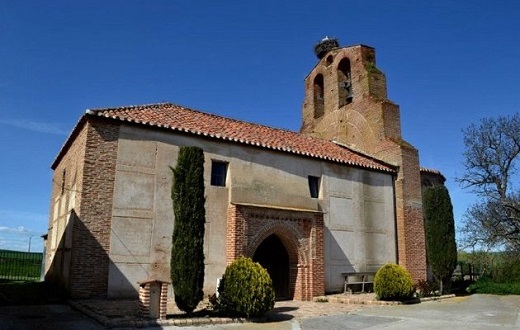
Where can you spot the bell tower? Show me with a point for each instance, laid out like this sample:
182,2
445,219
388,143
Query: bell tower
346,102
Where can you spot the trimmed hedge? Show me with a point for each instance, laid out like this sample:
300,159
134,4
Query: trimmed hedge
393,282
246,289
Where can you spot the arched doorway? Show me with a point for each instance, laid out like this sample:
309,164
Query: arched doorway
273,256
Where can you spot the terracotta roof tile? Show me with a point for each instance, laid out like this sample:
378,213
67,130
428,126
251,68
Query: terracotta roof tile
178,118
432,171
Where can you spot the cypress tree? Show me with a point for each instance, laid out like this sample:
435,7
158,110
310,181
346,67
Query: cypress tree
187,257
441,247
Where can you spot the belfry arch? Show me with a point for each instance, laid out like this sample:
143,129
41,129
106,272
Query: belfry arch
300,273
319,96
345,93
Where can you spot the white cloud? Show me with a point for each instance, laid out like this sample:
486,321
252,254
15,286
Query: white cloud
40,127
19,238
19,230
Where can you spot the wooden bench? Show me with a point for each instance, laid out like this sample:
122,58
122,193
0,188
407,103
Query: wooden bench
357,278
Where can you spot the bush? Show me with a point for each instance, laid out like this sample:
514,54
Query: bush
487,286
393,282
246,289
506,269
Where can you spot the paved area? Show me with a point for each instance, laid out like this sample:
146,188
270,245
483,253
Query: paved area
126,313
477,312
471,312
45,317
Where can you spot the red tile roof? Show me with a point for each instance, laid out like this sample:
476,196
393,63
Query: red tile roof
432,171
177,118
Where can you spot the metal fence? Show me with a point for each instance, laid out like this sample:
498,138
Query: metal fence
467,272
20,266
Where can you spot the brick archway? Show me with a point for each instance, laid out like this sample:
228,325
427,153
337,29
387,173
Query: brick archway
301,232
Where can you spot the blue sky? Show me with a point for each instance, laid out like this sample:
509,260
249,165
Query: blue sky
448,64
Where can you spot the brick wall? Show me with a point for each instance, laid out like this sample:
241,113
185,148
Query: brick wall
90,262
88,162
67,184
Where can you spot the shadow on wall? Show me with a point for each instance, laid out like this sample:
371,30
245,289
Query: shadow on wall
336,259
130,261
77,261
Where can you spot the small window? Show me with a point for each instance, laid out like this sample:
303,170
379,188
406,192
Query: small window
63,176
314,186
218,173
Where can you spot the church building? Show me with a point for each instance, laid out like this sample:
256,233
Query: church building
342,195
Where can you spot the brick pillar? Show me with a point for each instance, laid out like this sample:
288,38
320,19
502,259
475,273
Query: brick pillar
153,299
410,222
301,286
236,236
164,300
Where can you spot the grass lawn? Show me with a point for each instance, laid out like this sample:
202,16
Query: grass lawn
20,266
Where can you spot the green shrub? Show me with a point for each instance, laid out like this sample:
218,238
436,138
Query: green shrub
393,282
487,286
506,269
246,289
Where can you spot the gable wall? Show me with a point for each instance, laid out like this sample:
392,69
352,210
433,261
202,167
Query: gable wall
67,181
80,221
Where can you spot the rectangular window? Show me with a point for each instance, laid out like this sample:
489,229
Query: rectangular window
314,186
218,173
63,175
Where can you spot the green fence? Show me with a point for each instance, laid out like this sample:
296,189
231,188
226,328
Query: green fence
20,266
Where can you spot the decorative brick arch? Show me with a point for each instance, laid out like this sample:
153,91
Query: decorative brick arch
301,232
290,237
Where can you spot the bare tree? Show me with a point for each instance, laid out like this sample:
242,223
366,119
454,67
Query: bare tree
490,161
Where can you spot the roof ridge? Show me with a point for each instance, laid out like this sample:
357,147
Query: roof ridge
127,107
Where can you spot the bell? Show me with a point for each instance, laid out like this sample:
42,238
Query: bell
350,95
